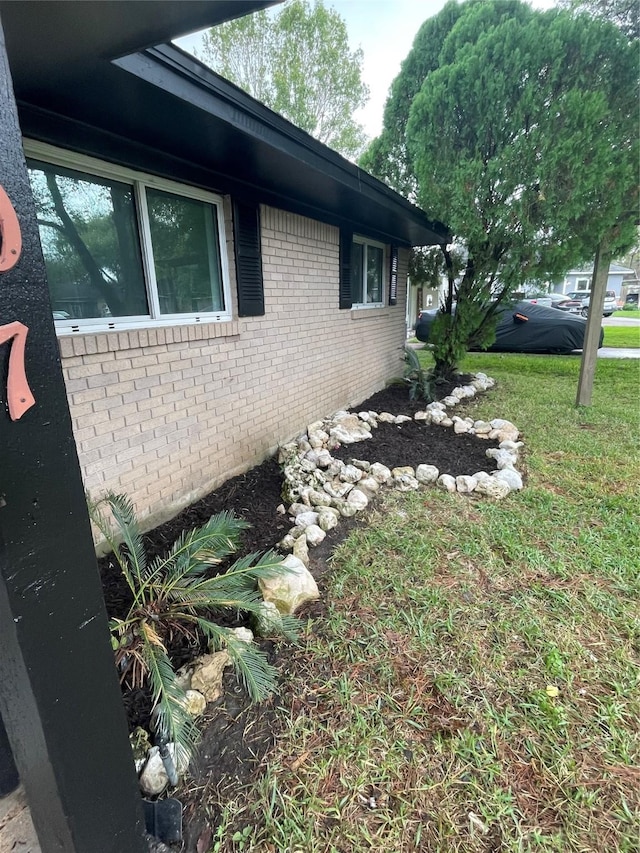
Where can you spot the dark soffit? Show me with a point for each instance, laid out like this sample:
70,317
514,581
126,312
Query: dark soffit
212,124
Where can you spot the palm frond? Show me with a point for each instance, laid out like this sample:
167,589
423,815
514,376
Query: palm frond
198,549
133,558
172,722
251,664
106,528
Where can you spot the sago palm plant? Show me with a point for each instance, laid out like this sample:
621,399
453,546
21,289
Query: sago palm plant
173,594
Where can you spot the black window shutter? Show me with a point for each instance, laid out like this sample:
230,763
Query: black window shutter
246,232
393,276
346,241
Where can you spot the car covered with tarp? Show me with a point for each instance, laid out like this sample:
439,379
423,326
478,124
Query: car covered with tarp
524,327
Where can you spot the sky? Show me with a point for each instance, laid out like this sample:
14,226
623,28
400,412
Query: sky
385,30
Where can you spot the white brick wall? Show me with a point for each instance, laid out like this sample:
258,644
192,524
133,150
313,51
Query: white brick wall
167,414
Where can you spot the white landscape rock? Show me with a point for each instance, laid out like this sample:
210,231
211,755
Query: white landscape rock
369,485
301,546
493,488
427,474
267,621
327,521
305,519
380,473
290,591
245,635
465,484
195,703
207,674
350,474
153,779
314,536
357,499
511,477
447,482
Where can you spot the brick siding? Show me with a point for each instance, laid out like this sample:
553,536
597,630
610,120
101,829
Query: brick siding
167,414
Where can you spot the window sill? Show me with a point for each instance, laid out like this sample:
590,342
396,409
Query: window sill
88,343
366,312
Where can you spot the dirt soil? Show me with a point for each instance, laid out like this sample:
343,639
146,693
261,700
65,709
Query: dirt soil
236,735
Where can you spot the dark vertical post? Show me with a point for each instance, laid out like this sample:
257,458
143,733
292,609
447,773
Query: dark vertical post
59,695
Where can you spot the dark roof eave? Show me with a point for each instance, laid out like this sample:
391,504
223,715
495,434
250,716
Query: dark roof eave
188,79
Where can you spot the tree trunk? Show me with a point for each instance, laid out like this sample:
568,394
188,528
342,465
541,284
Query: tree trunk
594,323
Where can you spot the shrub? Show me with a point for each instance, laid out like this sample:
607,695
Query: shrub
419,380
175,594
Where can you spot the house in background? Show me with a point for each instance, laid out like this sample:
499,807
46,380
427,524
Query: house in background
218,277
580,279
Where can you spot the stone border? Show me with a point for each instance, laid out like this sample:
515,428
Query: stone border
319,490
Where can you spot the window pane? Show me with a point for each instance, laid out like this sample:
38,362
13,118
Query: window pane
89,235
184,234
374,274
357,272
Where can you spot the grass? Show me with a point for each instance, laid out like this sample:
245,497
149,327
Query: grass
621,336
635,314
475,684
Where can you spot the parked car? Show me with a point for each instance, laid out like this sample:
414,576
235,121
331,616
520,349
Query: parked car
527,328
563,303
584,297
543,299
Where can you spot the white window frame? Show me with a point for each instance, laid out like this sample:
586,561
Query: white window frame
583,284
54,156
366,241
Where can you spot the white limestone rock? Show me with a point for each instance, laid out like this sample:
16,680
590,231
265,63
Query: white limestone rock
406,483
369,485
423,416
362,464
327,521
450,401
438,416
436,406
357,499
503,458
446,422
301,547
194,703
153,779
427,474
447,482
493,488
245,635
348,510
304,519
465,485
267,621
324,459
318,498
482,427
290,591
350,474
511,477
402,419
460,427
207,674
402,470
380,473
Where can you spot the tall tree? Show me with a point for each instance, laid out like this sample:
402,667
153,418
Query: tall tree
298,62
520,135
624,14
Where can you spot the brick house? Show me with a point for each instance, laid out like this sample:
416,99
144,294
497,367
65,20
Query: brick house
218,278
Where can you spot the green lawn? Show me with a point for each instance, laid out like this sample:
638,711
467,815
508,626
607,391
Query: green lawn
622,336
635,313
475,684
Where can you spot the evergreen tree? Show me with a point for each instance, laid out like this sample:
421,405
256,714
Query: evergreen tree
517,129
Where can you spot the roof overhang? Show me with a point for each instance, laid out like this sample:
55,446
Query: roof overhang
88,78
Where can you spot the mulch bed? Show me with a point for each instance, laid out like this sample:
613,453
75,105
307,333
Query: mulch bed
236,736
